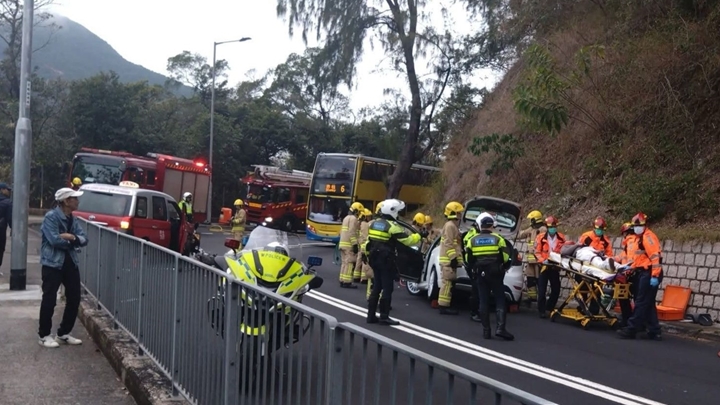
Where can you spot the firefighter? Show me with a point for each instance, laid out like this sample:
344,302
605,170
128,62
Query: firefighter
450,256
76,183
433,233
383,237
368,270
360,261
487,262
645,252
349,246
532,268
419,224
546,242
598,240
238,221
186,206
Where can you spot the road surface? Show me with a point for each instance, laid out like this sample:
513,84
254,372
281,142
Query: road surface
557,361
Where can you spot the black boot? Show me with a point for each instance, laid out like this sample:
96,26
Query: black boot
500,331
448,311
372,308
485,320
385,313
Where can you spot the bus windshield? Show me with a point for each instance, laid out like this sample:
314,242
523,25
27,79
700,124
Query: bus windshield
334,175
328,210
259,193
103,171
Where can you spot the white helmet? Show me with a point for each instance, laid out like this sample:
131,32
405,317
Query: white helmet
187,194
485,217
392,207
278,248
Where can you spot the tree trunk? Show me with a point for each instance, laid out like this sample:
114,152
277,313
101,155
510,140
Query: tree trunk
407,155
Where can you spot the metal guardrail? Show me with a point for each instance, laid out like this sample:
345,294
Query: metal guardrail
187,317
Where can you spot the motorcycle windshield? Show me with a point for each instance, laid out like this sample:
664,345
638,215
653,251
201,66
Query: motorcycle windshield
265,238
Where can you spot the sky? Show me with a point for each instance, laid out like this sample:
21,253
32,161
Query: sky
148,32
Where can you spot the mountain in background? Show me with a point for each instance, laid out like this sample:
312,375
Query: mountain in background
75,53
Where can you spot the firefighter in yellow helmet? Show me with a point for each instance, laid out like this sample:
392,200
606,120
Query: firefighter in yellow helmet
433,233
238,221
349,247
532,267
76,183
365,218
419,225
450,256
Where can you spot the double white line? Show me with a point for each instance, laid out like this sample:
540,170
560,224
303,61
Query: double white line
574,382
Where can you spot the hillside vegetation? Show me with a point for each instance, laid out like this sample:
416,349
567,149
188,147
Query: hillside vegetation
611,109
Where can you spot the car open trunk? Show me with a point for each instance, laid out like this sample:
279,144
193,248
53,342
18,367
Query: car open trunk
507,214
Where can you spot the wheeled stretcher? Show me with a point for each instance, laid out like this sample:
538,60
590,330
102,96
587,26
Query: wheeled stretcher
588,286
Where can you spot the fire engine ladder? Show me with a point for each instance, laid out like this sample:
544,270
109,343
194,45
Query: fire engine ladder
279,174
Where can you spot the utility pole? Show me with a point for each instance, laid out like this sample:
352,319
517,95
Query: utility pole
212,125
23,154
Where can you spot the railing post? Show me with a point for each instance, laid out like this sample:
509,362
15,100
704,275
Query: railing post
232,370
99,268
173,353
116,277
140,299
334,366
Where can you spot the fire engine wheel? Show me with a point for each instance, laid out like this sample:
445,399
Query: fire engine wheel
288,224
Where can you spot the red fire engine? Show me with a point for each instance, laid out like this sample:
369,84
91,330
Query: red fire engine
276,197
168,174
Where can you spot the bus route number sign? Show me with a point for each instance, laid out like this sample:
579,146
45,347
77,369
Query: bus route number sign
334,188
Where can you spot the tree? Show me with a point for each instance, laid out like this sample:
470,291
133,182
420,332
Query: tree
192,70
345,24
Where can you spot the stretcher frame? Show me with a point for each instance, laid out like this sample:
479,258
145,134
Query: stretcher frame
592,288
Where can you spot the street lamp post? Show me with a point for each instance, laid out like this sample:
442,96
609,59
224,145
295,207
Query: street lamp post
208,220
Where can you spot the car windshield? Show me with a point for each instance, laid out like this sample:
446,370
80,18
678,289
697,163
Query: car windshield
94,202
96,172
503,219
328,210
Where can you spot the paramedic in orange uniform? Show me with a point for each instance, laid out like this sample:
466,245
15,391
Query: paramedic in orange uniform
598,240
644,250
546,242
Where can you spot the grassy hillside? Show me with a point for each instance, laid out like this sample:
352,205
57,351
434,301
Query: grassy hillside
639,84
74,52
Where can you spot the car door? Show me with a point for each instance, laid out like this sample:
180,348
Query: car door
160,225
176,225
410,259
142,220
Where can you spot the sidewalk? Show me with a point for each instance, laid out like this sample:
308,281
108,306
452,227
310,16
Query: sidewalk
31,374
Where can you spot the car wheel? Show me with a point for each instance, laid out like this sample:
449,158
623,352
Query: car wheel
433,287
413,288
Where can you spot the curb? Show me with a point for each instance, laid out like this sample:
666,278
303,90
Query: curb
141,376
709,334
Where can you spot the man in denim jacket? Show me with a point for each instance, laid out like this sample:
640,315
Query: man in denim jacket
62,237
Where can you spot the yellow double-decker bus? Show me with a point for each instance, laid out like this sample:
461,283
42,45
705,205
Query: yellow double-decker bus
339,179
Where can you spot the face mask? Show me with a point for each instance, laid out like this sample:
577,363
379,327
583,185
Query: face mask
639,230
598,232
552,231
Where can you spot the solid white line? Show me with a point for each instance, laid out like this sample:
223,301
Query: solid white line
536,370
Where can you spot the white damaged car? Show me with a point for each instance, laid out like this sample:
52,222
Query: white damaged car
507,217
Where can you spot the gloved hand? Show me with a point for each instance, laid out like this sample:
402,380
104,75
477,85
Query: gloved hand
454,263
364,258
355,249
424,233
654,282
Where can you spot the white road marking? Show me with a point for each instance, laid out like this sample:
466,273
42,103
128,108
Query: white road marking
574,382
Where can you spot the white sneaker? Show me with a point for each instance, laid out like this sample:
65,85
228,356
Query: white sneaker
48,341
67,339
